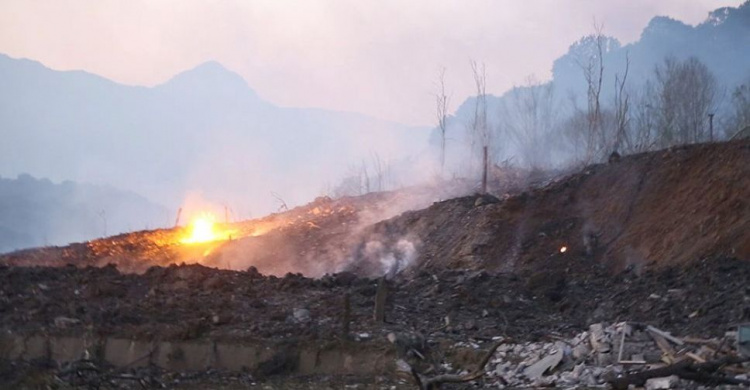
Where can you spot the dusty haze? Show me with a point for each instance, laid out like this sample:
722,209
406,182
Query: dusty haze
374,57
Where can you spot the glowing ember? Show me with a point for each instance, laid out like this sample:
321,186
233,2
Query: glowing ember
203,229
563,249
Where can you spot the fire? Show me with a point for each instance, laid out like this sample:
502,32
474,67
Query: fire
203,229
563,249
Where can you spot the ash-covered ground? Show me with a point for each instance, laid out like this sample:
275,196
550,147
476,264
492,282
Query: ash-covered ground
660,239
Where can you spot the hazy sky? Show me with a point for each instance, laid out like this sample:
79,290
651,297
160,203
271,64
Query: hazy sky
378,57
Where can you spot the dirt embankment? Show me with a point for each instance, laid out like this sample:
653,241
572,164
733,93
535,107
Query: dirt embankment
657,209
668,207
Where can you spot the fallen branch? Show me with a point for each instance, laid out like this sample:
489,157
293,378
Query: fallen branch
435,382
685,369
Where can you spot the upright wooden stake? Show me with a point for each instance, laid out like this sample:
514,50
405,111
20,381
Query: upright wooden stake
380,298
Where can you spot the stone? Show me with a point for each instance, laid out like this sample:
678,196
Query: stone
663,383
485,200
64,322
301,315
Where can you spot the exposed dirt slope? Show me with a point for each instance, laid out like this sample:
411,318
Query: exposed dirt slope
650,210
668,207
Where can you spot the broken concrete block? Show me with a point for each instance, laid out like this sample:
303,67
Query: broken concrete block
549,362
667,382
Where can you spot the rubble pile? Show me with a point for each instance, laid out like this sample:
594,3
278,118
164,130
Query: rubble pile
613,355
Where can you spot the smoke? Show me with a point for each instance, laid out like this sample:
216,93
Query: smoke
392,259
334,235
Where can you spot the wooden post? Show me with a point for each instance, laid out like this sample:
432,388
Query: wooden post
347,316
484,171
380,298
711,127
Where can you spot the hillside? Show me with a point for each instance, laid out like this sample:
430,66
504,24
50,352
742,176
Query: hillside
662,208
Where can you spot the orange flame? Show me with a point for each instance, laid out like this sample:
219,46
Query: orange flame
203,229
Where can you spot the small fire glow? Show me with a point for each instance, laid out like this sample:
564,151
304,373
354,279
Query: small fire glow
563,249
203,229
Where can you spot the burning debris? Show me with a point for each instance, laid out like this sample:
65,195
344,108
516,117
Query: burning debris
204,229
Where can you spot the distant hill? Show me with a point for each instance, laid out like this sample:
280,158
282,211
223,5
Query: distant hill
203,131
721,42
37,212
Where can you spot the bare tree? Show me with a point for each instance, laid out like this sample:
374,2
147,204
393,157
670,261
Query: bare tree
740,117
380,170
481,134
441,101
622,108
592,66
528,117
643,122
282,203
686,93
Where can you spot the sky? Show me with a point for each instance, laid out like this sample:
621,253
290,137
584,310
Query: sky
376,57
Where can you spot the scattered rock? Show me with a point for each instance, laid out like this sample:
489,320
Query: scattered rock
65,322
669,382
301,315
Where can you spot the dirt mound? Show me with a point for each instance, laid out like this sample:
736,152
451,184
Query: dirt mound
670,207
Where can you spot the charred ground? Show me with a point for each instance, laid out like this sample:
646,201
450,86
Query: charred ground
661,238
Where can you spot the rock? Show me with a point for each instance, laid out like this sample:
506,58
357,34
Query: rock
667,382
301,315
64,322
221,319
213,282
345,278
485,199
177,286
581,351
252,272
